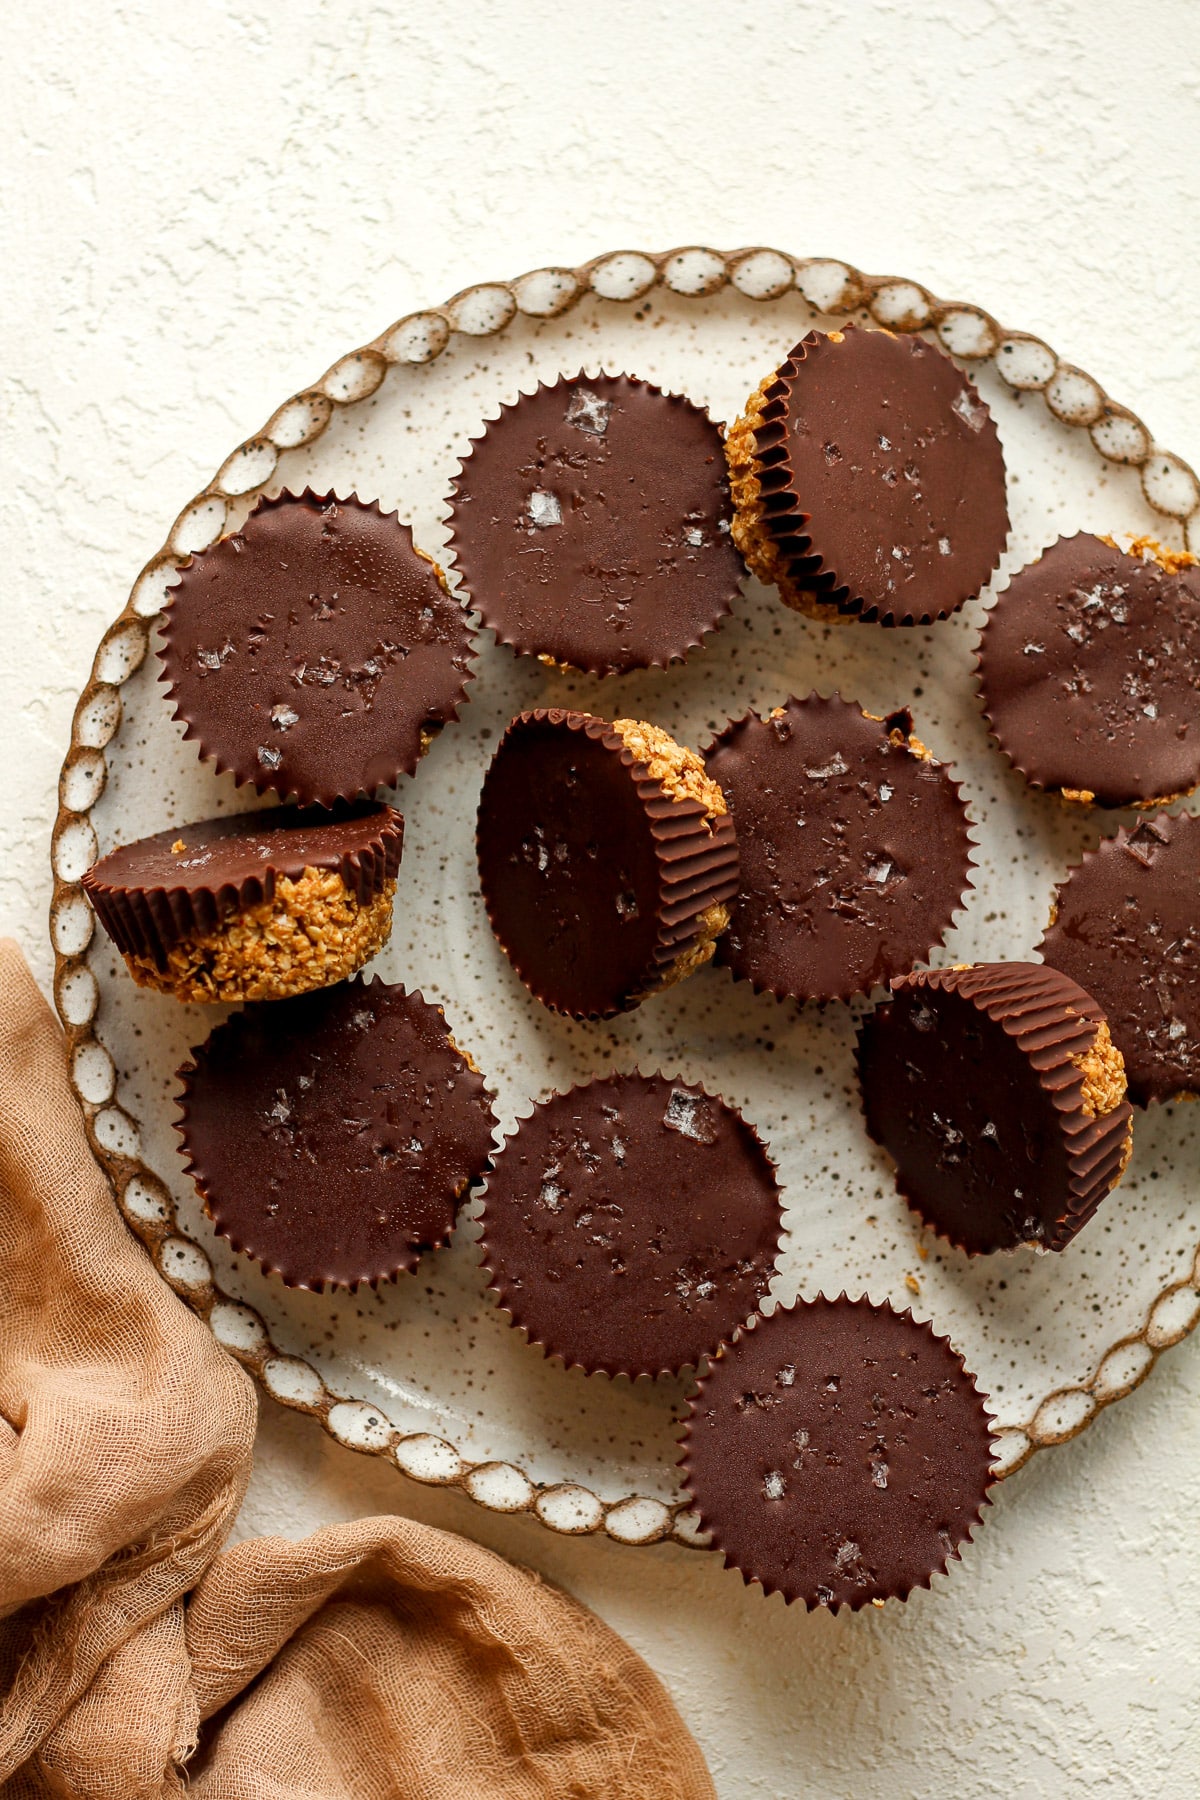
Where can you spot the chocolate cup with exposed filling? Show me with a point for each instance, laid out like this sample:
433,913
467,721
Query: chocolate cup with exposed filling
853,845
607,858
1000,1097
1126,927
630,1225
839,1453
868,480
315,653
590,525
258,906
331,1137
1089,670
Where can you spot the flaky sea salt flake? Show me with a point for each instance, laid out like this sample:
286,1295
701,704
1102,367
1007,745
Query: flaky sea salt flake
835,766
544,508
691,1116
551,1194
970,409
588,412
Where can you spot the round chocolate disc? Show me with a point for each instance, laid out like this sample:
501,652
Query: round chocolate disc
150,894
1000,1099
331,1136
596,879
1127,928
630,1225
315,652
590,525
882,476
853,844
1089,667
839,1453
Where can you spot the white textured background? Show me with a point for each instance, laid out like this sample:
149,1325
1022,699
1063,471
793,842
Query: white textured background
207,202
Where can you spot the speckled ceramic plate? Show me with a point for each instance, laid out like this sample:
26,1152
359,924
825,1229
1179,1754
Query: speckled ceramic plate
426,1372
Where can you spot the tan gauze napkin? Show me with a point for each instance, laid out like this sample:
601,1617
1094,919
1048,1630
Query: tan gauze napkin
381,1658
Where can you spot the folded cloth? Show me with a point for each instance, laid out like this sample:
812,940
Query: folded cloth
381,1658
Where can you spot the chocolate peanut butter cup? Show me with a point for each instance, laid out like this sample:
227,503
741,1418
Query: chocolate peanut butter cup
630,1225
1126,926
839,1453
590,524
999,1095
868,480
853,845
316,652
607,859
1089,670
332,1136
257,906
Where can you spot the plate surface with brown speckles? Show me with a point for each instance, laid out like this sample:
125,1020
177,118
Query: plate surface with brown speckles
427,1371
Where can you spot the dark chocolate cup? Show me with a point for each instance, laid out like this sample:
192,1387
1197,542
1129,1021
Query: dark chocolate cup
795,760
148,897
631,1224
596,537
342,697
1013,1126
792,511
1124,926
299,1121
838,1453
1088,668
636,875
258,905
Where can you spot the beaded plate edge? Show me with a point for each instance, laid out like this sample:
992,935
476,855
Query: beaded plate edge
760,274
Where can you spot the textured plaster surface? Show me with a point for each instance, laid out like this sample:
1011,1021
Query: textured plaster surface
207,203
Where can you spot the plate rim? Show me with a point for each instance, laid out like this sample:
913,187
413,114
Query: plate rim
622,277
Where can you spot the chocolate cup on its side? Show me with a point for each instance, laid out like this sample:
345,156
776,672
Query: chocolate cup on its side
1000,1099
332,1136
881,477
854,847
149,896
1126,927
596,880
839,1453
631,1224
590,525
315,653
1089,672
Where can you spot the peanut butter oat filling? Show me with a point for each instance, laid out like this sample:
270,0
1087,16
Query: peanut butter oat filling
679,770
749,529
1103,1069
1171,562
313,933
682,775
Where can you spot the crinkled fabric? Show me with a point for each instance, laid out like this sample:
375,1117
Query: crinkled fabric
380,1658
